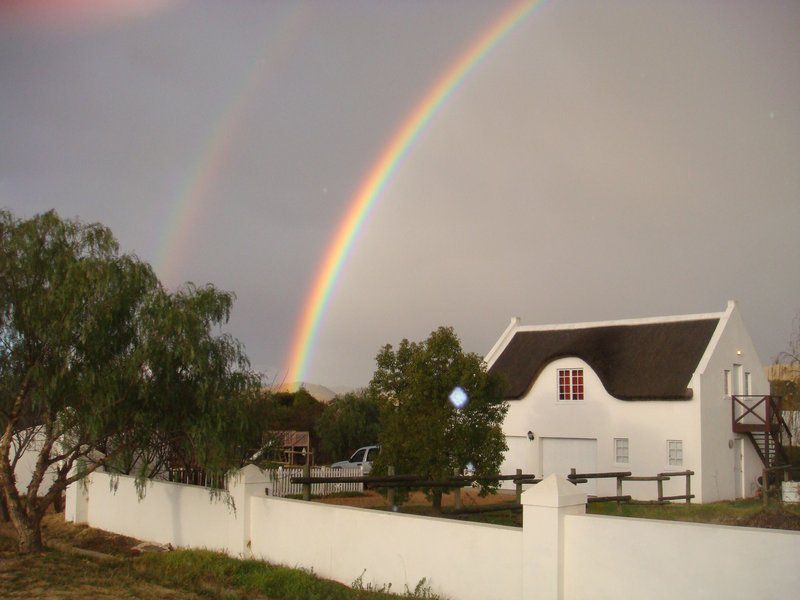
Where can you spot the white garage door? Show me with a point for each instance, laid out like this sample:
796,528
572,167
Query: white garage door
559,455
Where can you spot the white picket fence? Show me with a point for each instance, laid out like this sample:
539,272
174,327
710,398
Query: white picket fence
279,481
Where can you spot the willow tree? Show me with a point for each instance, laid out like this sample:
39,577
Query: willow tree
106,364
428,430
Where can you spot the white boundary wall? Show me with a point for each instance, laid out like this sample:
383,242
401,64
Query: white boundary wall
169,513
652,559
468,560
560,552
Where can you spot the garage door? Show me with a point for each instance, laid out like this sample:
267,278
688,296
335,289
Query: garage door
559,455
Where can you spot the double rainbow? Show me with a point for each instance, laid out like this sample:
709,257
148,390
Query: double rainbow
378,176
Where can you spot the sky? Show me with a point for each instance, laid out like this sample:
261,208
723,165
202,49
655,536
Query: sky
606,160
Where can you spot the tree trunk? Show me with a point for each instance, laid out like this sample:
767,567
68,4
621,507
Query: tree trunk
27,520
4,509
436,498
58,503
29,535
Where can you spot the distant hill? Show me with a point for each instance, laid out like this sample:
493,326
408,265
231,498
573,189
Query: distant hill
320,392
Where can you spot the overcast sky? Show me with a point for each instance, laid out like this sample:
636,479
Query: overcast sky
607,160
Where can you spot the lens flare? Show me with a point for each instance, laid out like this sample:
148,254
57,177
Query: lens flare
66,14
458,397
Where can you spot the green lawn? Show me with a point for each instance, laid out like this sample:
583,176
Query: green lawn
749,513
178,574
740,512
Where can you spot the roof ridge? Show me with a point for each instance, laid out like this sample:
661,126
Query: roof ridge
621,322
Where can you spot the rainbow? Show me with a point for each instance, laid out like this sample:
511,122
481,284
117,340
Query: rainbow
215,152
378,176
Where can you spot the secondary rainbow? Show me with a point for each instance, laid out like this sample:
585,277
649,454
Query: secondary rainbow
196,190
373,184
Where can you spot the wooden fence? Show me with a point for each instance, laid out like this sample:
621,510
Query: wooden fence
280,484
197,477
306,481
621,476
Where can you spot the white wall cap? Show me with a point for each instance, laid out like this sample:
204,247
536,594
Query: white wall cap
553,491
249,474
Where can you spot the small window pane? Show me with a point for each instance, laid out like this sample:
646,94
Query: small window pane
675,453
621,450
570,384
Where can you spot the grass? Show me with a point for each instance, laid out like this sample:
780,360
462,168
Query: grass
177,574
740,512
749,513
203,571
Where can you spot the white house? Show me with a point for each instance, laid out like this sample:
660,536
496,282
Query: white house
642,395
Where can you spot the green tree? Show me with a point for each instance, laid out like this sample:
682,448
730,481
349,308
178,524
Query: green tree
347,423
423,432
107,364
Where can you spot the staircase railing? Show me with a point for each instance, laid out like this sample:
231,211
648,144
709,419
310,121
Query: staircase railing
781,425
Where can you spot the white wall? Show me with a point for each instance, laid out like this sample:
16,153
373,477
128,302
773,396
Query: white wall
647,425
26,465
559,553
718,449
616,557
169,513
460,560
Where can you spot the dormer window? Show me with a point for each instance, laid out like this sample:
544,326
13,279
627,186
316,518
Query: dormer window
570,384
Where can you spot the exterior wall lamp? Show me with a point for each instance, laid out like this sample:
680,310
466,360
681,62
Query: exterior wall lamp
531,436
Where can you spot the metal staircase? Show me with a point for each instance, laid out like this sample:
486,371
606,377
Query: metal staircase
760,419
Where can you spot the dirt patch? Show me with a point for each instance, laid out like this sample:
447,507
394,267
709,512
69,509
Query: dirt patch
55,531
772,519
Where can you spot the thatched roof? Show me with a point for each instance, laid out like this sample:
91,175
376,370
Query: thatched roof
648,361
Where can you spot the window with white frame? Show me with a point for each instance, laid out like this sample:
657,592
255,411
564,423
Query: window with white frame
570,384
621,451
748,384
726,382
675,453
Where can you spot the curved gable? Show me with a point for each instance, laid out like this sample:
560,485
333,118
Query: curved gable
652,361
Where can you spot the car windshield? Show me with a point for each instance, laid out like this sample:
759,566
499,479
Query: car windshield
358,456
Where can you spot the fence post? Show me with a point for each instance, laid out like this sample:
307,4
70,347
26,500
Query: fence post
660,483
457,494
544,507
390,494
619,490
688,487
519,487
307,486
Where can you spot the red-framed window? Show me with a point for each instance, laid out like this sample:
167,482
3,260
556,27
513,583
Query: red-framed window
570,384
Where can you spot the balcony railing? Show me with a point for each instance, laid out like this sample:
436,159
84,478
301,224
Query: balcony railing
752,413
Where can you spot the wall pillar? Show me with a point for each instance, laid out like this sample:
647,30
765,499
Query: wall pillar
544,507
248,482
